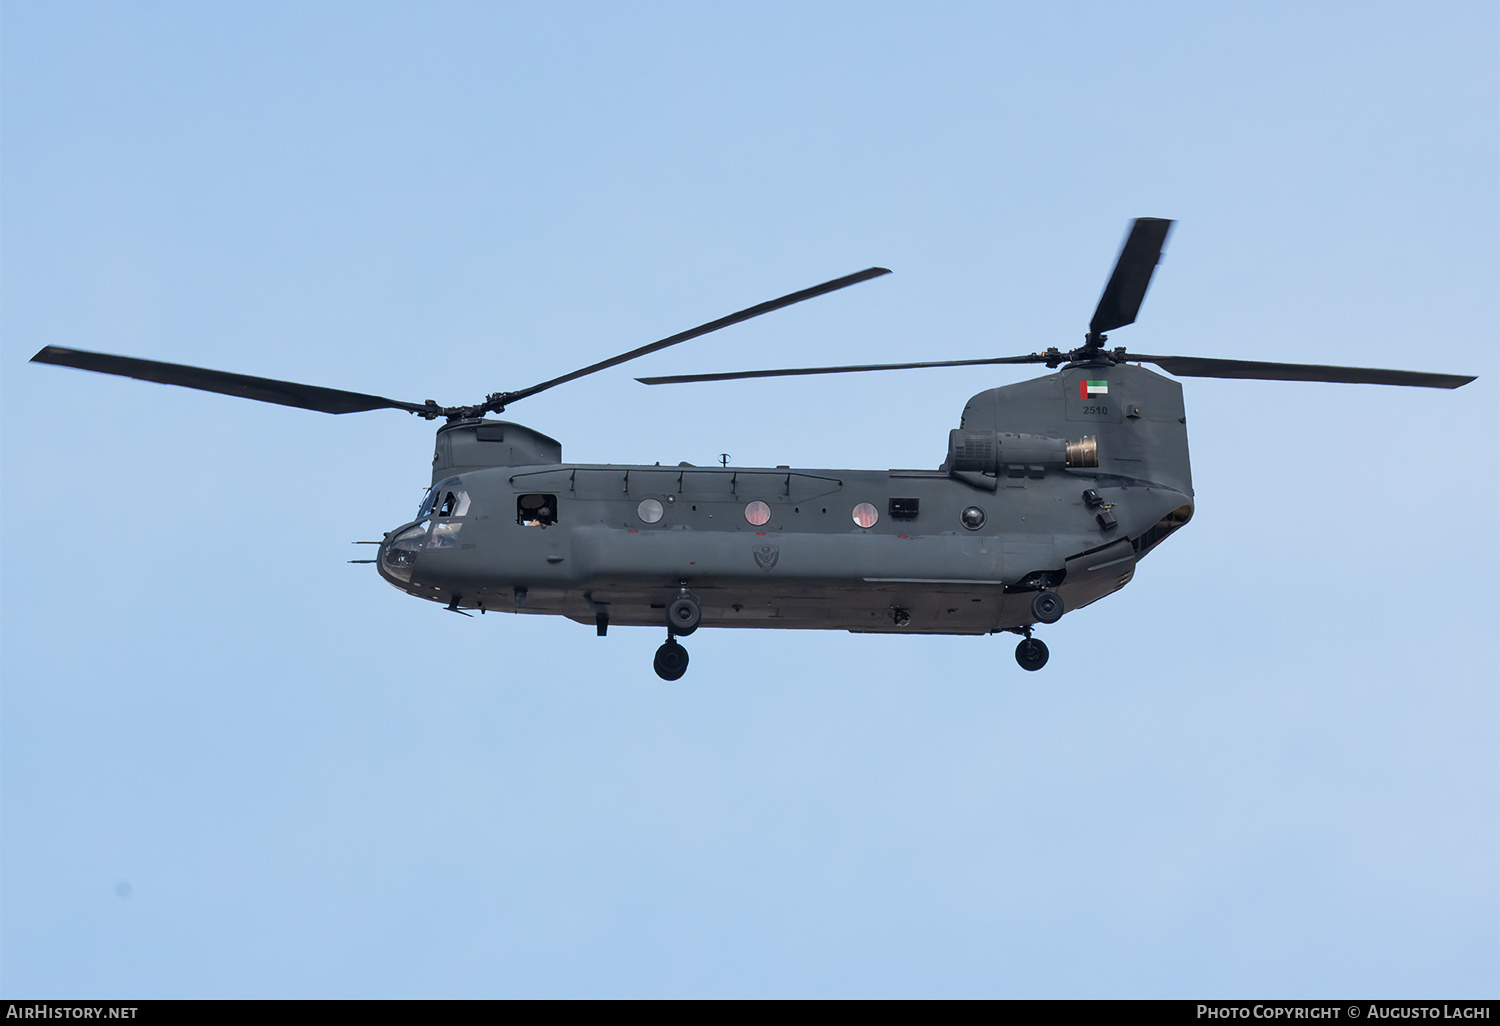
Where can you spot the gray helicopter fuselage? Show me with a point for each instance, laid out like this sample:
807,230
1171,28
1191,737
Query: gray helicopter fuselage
507,526
1052,490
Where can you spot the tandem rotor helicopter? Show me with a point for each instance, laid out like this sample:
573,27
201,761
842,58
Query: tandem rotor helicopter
1052,491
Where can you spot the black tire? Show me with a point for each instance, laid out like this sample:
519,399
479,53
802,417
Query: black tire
683,616
1047,607
1032,654
671,661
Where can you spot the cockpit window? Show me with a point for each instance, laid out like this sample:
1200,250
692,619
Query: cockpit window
453,503
536,510
401,552
447,498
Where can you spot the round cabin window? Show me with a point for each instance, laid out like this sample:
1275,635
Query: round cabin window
865,515
758,513
972,518
649,510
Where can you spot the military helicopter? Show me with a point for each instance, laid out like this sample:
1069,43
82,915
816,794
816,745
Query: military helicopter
1052,491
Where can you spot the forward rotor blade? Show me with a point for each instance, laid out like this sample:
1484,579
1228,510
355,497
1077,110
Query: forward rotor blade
1200,367
704,329
265,390
1132,274
678,379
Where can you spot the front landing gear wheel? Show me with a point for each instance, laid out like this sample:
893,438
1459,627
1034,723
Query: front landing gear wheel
1031,653
672,660
1047,607
683,616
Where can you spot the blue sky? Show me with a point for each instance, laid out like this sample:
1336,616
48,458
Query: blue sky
232,764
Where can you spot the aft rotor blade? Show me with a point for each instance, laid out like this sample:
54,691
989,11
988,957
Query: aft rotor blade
704,329
245,386
678,379
1132,274
1200,367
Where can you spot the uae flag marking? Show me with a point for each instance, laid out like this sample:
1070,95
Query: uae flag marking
1092,389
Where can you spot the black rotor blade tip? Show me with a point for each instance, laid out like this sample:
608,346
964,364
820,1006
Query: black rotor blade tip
703,329
1140,254
242,386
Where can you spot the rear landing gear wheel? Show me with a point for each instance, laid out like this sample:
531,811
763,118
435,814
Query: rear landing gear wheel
671,661
683,616
1047,607
1031,653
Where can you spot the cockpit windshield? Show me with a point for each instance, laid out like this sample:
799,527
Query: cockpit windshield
447,498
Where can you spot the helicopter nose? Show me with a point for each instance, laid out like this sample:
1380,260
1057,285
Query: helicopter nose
398,553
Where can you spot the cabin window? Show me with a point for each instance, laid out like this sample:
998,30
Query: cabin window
758,513
904,509
865,515
536,510
650,511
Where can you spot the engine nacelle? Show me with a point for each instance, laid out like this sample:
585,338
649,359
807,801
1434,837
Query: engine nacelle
991,452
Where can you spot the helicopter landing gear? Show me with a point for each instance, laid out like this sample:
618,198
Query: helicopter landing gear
683,616
1031,653
671,660
1047,607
